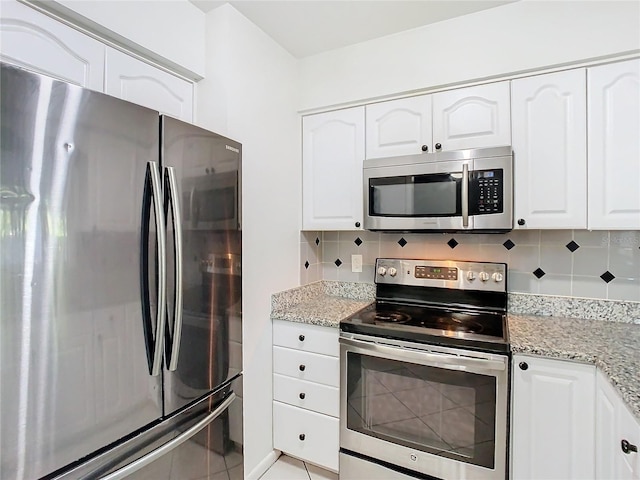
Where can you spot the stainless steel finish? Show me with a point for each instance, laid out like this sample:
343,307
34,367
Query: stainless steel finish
467,272
177,232
75,375
441,357
465,195
354,468
171,445
162,269
418,460
442,162
78,171
211,248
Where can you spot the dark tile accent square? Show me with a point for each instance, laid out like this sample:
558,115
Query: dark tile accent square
306,264
357,241
317,241
338,262
572,246
453,243
607,276
508,244
539,273
402,242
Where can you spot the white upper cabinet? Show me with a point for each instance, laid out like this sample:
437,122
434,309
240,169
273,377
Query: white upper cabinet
552,419
332,156
472,117
141,83
614,146
399,127
39,43
550,150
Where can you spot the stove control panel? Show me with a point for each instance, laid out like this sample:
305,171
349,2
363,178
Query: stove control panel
461,275
438,273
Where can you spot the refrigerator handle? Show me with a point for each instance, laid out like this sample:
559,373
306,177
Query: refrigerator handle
162,261
174,199
167,447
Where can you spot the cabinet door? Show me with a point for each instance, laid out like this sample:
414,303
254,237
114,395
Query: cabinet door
141,83
472,117
399,127
550,150
39,43
552,419
614,423
332,155
614,146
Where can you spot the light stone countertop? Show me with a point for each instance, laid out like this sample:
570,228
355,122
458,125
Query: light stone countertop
612,346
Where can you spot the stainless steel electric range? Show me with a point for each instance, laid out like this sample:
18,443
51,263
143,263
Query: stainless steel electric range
424,374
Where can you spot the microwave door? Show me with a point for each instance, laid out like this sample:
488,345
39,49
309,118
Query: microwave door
418,197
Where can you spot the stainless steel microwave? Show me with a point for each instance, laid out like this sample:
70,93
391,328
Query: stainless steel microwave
463,190
211,201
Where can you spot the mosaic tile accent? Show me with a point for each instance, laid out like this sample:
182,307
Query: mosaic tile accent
453,243
357,241
572,260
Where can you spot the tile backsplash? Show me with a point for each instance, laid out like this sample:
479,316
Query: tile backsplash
578,263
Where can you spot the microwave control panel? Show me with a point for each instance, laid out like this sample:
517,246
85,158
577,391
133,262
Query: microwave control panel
486,192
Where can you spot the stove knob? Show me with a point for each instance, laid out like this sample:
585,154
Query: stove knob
497,277
393,272
471,276
382,271
484,276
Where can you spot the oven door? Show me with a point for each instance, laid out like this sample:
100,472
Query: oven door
434,410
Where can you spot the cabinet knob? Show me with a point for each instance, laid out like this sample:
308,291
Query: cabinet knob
302,367
302,395
425,148
521,221
628,447
301,338
357,224
523,366
438,146
301,436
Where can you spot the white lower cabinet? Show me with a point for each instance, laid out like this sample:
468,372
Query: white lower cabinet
615,425
306,400
552,427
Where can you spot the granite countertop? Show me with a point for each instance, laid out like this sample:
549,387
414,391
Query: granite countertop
613,346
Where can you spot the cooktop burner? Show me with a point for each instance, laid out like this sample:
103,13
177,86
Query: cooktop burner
438,302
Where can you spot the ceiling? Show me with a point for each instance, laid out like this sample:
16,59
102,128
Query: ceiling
307,27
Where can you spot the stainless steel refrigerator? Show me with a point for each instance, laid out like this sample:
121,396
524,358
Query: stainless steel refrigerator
120,284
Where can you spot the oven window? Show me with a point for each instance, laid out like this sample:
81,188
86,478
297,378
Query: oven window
444,412
435,195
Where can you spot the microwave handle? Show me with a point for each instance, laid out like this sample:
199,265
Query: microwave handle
465,195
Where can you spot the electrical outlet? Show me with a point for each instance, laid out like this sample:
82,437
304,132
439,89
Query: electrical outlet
356,263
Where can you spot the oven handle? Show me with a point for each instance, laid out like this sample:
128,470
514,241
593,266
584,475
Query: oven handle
443,360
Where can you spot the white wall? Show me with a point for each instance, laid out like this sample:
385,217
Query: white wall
517,37
169,32
249,94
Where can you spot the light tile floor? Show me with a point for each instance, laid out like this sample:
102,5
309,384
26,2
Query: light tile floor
288,468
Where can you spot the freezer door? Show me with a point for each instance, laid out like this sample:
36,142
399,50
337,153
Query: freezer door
206,167
74,367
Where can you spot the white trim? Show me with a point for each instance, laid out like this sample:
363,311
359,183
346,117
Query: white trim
264,465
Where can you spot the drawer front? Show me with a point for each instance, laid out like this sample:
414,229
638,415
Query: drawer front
307,366
308,338
310,436
308,395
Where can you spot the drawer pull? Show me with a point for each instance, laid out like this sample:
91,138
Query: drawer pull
628,447
301,338
301,437
302,395
302,367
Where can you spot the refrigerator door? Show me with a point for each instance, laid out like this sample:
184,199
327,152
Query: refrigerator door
207,171
74,366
